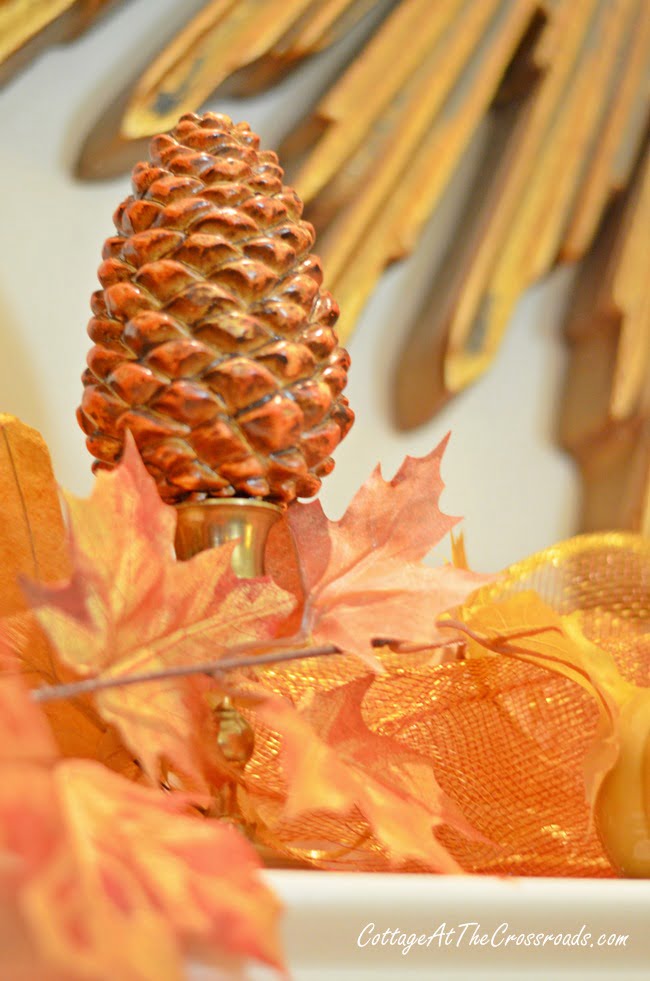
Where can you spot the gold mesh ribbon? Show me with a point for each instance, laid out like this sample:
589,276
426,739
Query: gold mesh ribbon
507,739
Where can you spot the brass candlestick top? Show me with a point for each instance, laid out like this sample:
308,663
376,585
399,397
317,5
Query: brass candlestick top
214,522
214,341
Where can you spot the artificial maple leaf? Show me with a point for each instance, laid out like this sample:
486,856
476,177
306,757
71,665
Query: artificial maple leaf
77,726
362,577
33,543
333,764
130,608
102,878
32,537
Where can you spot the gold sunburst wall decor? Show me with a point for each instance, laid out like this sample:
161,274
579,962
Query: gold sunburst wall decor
562,88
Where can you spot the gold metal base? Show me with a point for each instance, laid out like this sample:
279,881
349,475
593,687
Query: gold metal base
200,526
213,522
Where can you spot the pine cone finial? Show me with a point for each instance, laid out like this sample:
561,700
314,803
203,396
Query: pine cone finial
214,342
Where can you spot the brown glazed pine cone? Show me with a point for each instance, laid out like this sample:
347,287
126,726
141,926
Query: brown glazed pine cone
214,341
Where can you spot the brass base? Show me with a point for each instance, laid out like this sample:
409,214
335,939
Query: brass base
203,525
213,522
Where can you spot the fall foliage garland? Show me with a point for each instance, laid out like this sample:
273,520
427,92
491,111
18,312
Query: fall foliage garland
371,758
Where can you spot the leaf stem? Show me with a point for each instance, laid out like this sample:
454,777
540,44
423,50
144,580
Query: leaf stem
49,693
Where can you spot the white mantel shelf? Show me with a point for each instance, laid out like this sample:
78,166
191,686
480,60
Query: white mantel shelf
327,911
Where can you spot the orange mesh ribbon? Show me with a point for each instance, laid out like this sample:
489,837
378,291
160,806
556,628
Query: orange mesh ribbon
511,739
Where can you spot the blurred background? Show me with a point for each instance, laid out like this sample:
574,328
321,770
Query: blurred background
477,173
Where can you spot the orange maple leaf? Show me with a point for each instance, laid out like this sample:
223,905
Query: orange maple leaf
103,878
362,577
332,763
130,608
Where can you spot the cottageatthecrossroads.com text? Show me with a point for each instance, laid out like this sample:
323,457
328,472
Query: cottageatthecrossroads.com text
471,934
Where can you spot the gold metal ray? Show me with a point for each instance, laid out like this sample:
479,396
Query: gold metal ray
613,157
518,224
29,26
323,24
532,220
385,220
226,35
605,421
239,46
356,103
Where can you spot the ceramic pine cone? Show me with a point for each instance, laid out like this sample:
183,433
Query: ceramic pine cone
214,342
